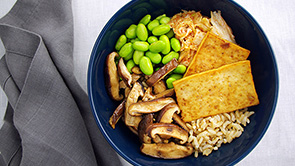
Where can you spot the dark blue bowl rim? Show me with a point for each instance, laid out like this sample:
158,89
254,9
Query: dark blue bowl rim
90,70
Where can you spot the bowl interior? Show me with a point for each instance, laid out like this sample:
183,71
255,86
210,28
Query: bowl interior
248,34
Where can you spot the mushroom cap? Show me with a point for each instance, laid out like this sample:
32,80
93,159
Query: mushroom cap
167,151
112,78
150,106
117,114
166,114
124,73
146,121
168,130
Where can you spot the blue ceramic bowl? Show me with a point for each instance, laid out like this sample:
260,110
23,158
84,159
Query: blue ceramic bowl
248,34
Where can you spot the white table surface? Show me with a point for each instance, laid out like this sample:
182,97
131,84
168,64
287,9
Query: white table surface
277,19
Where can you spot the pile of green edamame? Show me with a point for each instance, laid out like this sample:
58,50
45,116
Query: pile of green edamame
150,44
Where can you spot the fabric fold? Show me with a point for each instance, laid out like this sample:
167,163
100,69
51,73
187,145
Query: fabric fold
10,142
49,117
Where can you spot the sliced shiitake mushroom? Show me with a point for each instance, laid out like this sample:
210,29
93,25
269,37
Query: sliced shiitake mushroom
167,151
136,92
127,91
148,94
146,121
180,122
133,129
168,130
162,72
124,73
122,85
135,78
117,114
112,78
150,106
125,88
158,139
166,114
159,87
166,93
136,70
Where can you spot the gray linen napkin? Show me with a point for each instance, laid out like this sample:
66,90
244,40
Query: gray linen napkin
48,120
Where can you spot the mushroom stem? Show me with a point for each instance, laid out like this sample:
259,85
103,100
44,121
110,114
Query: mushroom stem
136,91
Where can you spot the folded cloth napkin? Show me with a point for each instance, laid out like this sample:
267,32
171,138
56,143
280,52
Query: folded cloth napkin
48,120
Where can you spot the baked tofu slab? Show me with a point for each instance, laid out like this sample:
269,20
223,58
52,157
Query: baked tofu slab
216,91
215,52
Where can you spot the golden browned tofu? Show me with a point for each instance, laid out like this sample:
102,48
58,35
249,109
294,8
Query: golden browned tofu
216,91
215,52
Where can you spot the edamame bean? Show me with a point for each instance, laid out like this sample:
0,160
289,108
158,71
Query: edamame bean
130,64
153,24
126,50
161,30
146,66
120,42
164,20
167,48
152,39
180,69
131,32
134,40
170,34
160,16
137,55
156,58
176,76
141,32
146,19
140,46
171,79
167,58
157,46
169,82
175,44
129,56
